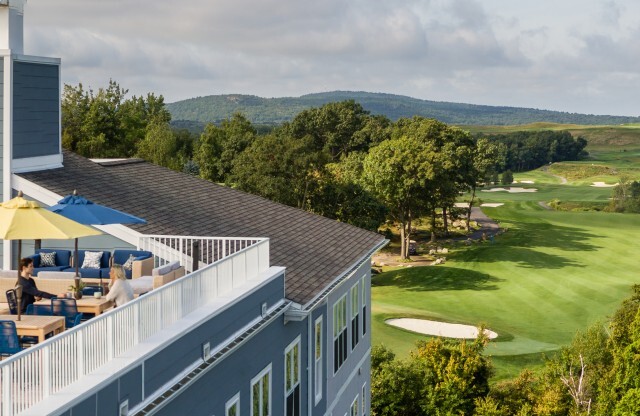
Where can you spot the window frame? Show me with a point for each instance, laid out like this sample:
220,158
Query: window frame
296,366
340,332
354,314
232,401
317,360
364,304
258,379
354,406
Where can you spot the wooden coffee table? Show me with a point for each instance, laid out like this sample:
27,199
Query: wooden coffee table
88,304
36,325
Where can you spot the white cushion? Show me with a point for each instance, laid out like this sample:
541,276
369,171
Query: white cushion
174,265
142,284
91,260
56,275
129,263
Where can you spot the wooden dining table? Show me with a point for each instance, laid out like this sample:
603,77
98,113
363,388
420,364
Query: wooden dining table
88,304
36,325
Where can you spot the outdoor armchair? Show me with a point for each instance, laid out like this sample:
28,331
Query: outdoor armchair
141,265
9,341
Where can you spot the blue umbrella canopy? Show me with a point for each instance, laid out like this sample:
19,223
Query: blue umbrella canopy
82,210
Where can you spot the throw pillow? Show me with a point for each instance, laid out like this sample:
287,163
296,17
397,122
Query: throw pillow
129,263
91,260
48,259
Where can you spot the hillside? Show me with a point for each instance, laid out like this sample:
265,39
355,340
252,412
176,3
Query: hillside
215,108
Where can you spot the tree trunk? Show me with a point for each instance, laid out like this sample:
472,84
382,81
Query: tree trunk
408,238
433,225
403,248
473,196
445,221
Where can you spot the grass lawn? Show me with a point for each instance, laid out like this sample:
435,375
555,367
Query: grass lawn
553,273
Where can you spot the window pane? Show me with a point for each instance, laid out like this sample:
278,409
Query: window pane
295,364
256,399
318,339
287,374
265,395
233,410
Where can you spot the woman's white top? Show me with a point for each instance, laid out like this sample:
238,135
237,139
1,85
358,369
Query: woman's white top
120,292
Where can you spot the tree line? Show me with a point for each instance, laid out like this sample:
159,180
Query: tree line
337,160
528,150
597,374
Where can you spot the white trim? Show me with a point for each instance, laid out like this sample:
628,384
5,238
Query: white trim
33,164
50,198
7,151
234,400
363,405
257,379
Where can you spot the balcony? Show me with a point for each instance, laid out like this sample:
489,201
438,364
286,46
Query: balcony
219,271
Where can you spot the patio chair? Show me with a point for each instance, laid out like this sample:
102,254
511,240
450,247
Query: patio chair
12,300
9,341
140,265
42,310
68,308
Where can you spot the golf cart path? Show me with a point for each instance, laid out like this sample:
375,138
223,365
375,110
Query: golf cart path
488,227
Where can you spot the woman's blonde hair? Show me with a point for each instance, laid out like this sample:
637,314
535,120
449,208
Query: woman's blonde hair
119,270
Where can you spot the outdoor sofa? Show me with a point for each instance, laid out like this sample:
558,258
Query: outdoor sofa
62,260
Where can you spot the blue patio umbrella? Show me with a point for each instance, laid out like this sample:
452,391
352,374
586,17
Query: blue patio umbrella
85,212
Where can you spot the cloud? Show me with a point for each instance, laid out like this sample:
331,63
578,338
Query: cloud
546,54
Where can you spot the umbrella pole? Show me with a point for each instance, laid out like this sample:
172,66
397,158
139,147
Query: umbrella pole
19,290
76,280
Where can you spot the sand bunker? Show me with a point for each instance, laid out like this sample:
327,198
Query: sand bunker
523,182
441,329
492,204
461,205
511,190
603,185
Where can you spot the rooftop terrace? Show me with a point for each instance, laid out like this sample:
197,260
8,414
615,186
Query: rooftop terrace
54,372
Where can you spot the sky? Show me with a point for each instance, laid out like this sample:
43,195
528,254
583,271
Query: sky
579,56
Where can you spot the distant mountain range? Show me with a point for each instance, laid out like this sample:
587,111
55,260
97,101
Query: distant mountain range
272,111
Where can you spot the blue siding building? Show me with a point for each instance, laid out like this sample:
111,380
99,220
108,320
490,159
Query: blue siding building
277,326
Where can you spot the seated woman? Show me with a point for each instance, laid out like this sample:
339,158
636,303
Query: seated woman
30,292
120,291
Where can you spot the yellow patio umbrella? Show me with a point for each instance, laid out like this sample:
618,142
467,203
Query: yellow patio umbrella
21,219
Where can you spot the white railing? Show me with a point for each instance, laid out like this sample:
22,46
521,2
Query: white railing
168,248
40,371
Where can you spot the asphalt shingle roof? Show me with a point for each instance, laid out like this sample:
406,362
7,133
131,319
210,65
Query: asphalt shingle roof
315,250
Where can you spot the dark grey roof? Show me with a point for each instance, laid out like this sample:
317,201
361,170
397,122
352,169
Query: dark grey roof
315,250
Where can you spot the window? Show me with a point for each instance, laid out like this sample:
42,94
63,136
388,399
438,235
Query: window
354,407
261,393
232,408
318,359
339,333
355,309
364,395
292,378
364,305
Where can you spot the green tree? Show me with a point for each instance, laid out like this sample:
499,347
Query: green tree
105,123
397,172
507,178
337,128
441,377
280,168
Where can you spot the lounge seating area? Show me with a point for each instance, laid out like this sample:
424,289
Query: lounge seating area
92,263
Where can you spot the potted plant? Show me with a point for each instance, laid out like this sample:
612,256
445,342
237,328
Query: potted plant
77,289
